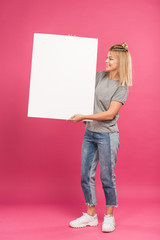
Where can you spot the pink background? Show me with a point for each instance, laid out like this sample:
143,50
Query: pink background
40,158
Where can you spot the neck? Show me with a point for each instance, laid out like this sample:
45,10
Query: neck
113,75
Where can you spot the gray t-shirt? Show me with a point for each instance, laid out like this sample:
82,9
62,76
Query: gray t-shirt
106,90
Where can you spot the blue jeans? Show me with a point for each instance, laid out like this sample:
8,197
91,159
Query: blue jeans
102,147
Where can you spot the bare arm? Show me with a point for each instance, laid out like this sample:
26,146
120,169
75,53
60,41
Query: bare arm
107,115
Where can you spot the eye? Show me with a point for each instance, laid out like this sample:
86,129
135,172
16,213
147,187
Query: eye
110,58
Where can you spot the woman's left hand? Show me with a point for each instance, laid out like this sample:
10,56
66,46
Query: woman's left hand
76,118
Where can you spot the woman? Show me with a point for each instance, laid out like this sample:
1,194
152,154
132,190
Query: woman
101,138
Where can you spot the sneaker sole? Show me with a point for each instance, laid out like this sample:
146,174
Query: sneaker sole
103,230
84,225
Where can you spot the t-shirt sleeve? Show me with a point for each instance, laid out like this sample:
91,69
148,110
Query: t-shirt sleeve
120,94
97,77
96,82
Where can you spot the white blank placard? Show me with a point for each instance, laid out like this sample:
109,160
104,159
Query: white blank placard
63,73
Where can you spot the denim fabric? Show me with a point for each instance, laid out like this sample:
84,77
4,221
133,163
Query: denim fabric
102,147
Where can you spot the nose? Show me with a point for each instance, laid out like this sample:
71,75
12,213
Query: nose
106,60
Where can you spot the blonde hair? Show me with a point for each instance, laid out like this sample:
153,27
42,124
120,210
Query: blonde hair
125,63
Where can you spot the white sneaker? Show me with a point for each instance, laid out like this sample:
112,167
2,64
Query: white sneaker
109,223
84,220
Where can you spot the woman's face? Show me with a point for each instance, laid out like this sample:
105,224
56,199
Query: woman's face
112,62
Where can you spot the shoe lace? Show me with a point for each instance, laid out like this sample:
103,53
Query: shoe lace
80,218
107,219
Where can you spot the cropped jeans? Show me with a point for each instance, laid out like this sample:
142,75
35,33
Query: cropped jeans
102,147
